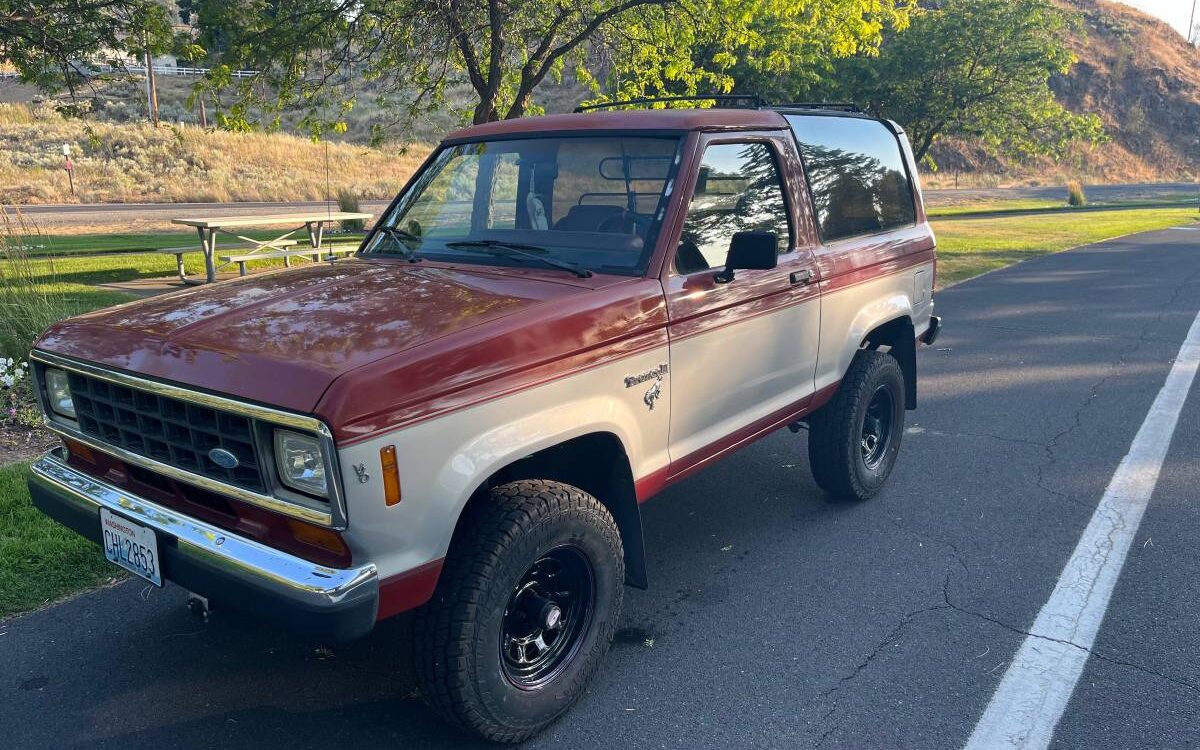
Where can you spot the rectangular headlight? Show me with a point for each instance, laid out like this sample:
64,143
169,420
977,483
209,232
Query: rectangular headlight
58,393
300,462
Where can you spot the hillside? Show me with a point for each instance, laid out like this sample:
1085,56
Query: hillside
1143,80
135,162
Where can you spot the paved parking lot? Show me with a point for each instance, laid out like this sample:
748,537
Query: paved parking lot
775,619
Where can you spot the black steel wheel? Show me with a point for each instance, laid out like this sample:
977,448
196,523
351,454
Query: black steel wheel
877,426
524,610
853,440
546,617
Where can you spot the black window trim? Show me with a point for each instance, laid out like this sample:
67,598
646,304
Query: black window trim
725,138
912,186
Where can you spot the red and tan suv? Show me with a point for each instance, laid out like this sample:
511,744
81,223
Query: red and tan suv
557,318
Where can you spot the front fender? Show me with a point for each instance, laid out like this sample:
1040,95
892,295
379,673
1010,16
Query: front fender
442,461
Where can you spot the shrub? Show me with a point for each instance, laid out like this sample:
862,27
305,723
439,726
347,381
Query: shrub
348,201
1075,196
30,297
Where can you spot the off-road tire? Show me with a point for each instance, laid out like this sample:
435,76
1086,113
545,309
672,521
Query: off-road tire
835,452
457,634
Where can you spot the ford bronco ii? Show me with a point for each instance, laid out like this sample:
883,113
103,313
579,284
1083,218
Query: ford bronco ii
555,319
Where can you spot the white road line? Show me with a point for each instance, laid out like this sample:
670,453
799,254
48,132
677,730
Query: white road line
1038,684
1188,229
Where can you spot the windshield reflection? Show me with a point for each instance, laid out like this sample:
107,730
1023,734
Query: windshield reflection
586,202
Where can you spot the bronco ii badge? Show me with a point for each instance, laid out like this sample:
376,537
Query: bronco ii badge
658,373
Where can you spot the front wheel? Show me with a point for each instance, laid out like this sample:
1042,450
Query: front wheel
524,610
854,439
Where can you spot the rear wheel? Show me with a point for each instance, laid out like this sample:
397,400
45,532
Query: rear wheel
855,438
524,610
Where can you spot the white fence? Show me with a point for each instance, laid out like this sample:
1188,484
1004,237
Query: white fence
179,70
162,70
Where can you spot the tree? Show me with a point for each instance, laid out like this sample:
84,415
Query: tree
317,53
976,69
54,43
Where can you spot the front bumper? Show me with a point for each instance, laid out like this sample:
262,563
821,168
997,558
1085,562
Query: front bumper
324,603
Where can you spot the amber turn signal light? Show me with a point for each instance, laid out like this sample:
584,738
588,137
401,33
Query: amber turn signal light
80,450
325,539
391,474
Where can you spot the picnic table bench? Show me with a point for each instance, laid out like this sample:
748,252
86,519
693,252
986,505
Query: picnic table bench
287,255
313,222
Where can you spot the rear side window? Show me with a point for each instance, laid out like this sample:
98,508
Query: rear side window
856,173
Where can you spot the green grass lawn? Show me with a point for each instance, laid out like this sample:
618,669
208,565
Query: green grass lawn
969,247
41,560
107,243
1012,206
1000,205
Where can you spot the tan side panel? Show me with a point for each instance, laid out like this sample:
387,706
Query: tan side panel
734,375
849,314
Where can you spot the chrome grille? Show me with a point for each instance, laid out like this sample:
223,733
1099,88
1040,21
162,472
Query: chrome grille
168,430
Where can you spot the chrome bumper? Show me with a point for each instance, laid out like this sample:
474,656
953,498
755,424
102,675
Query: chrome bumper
310,598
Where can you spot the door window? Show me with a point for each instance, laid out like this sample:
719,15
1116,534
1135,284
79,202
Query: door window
737,190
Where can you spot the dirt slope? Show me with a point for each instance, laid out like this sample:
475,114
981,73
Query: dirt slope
1142,78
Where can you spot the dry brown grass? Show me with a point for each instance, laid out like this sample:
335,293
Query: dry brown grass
136,163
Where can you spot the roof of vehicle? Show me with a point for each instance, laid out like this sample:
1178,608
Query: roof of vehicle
715,118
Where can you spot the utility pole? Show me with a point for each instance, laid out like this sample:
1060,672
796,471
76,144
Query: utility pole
1191,31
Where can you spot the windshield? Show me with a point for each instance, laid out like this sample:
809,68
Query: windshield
592,203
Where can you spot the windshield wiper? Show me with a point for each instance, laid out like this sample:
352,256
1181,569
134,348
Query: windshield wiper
519,250
398,237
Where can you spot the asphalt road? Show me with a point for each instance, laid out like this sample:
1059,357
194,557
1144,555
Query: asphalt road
775,619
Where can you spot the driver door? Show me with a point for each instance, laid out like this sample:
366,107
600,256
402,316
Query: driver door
743,353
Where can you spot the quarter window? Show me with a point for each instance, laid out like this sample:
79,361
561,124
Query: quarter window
737,190
856,173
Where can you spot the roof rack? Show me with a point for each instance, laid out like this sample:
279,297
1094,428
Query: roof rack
752,101
840,106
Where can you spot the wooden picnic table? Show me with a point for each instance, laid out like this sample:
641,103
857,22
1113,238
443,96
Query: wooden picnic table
208,228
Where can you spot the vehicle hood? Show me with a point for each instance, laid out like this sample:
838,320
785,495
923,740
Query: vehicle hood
282,338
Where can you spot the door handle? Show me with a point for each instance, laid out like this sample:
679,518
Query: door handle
801,277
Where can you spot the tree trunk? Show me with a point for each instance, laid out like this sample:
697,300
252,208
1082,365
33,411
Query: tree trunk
151,88
520,105
485,111
923,149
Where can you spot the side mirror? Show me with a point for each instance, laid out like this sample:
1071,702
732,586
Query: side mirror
750,250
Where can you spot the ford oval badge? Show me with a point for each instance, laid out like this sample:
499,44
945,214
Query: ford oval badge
223,458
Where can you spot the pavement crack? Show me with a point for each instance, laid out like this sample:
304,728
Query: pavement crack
955,552
831,694
1051,446
1090,652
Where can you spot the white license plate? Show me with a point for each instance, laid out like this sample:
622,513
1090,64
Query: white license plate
130,545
